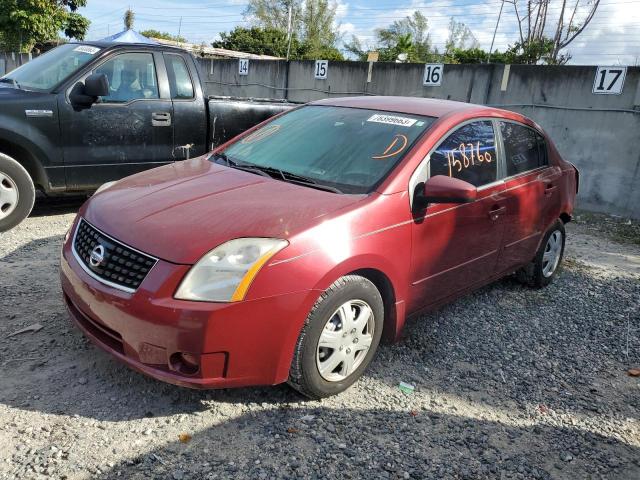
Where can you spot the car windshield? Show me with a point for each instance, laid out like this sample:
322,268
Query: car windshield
48,70
344,149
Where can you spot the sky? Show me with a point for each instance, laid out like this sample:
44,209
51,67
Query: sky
612,37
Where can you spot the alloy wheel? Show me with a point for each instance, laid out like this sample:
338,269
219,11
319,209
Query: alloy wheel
552,252
345,340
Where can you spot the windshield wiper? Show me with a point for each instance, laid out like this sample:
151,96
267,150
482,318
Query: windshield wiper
233,164
273,172
11,81
295,178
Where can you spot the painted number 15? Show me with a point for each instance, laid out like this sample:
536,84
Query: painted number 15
321,69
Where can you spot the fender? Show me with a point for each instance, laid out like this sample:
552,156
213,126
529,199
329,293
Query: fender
32,149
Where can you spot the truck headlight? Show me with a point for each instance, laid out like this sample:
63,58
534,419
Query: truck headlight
226,272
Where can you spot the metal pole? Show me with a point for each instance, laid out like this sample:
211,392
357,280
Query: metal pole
494,32
179,29
289,29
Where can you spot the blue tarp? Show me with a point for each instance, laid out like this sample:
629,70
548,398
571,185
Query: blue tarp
128,36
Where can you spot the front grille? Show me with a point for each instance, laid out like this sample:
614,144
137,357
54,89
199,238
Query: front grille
121,266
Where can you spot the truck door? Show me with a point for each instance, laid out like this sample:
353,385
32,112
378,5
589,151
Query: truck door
189,108
128,131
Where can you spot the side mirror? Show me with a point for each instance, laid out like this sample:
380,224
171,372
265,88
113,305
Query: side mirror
443,189
96,85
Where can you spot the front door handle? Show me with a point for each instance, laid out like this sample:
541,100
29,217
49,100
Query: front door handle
496,211
161,119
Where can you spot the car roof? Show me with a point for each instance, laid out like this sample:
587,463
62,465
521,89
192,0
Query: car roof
430,107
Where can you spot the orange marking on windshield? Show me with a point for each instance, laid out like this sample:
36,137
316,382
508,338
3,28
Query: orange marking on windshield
398,144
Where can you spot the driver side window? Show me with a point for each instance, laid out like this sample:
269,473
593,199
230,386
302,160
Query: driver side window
132,76
468,154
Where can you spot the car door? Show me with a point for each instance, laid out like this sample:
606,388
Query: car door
128,131
455,246
532,194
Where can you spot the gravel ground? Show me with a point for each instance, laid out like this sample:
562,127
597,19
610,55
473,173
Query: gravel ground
510,383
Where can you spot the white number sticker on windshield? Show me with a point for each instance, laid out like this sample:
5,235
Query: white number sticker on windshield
391,120
86,49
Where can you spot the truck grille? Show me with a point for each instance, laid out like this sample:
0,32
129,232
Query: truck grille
115,263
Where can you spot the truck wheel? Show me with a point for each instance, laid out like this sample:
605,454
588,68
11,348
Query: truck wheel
339,338
542,270
17,193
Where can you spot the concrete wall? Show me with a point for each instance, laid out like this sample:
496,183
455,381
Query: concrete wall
600,134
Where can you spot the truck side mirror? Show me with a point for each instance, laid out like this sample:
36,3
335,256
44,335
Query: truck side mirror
83,96
96,85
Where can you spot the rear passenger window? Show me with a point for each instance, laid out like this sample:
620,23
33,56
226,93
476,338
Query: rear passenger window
179,78
524,148
468,154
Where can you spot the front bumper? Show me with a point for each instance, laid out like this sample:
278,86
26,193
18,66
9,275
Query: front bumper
236,344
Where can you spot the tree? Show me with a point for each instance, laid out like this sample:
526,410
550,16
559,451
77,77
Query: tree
260,41
460,37
355,48
151,33
24,23
128,19
392,40
571,22
312,23
274,14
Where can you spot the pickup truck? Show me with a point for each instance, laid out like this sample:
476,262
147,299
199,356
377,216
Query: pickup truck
87,113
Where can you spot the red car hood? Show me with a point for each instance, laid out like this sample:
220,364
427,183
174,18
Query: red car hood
181,211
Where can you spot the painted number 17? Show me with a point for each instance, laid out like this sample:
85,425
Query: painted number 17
609,80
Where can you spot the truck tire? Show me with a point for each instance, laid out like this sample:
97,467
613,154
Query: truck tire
17,193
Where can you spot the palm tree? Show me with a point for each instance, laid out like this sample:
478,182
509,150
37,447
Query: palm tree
128,19
404,48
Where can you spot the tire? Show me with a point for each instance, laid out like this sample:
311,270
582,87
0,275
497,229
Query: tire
355,294
17,193
545,266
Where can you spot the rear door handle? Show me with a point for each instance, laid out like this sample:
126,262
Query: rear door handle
161,119
496,211
549,188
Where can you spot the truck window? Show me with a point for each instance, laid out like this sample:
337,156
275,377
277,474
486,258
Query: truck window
132,76
179,78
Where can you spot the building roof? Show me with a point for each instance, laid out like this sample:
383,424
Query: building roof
214,52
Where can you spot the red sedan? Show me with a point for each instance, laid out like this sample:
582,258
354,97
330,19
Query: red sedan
289,252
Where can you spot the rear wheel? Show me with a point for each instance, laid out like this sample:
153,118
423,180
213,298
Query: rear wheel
17,193
339,338
542,270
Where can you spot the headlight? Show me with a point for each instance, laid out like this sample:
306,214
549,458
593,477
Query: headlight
103,187
226,272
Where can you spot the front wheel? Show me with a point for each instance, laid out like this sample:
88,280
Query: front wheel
542,270
339,338
17,193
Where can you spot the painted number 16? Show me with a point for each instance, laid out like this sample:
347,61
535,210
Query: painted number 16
433,74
